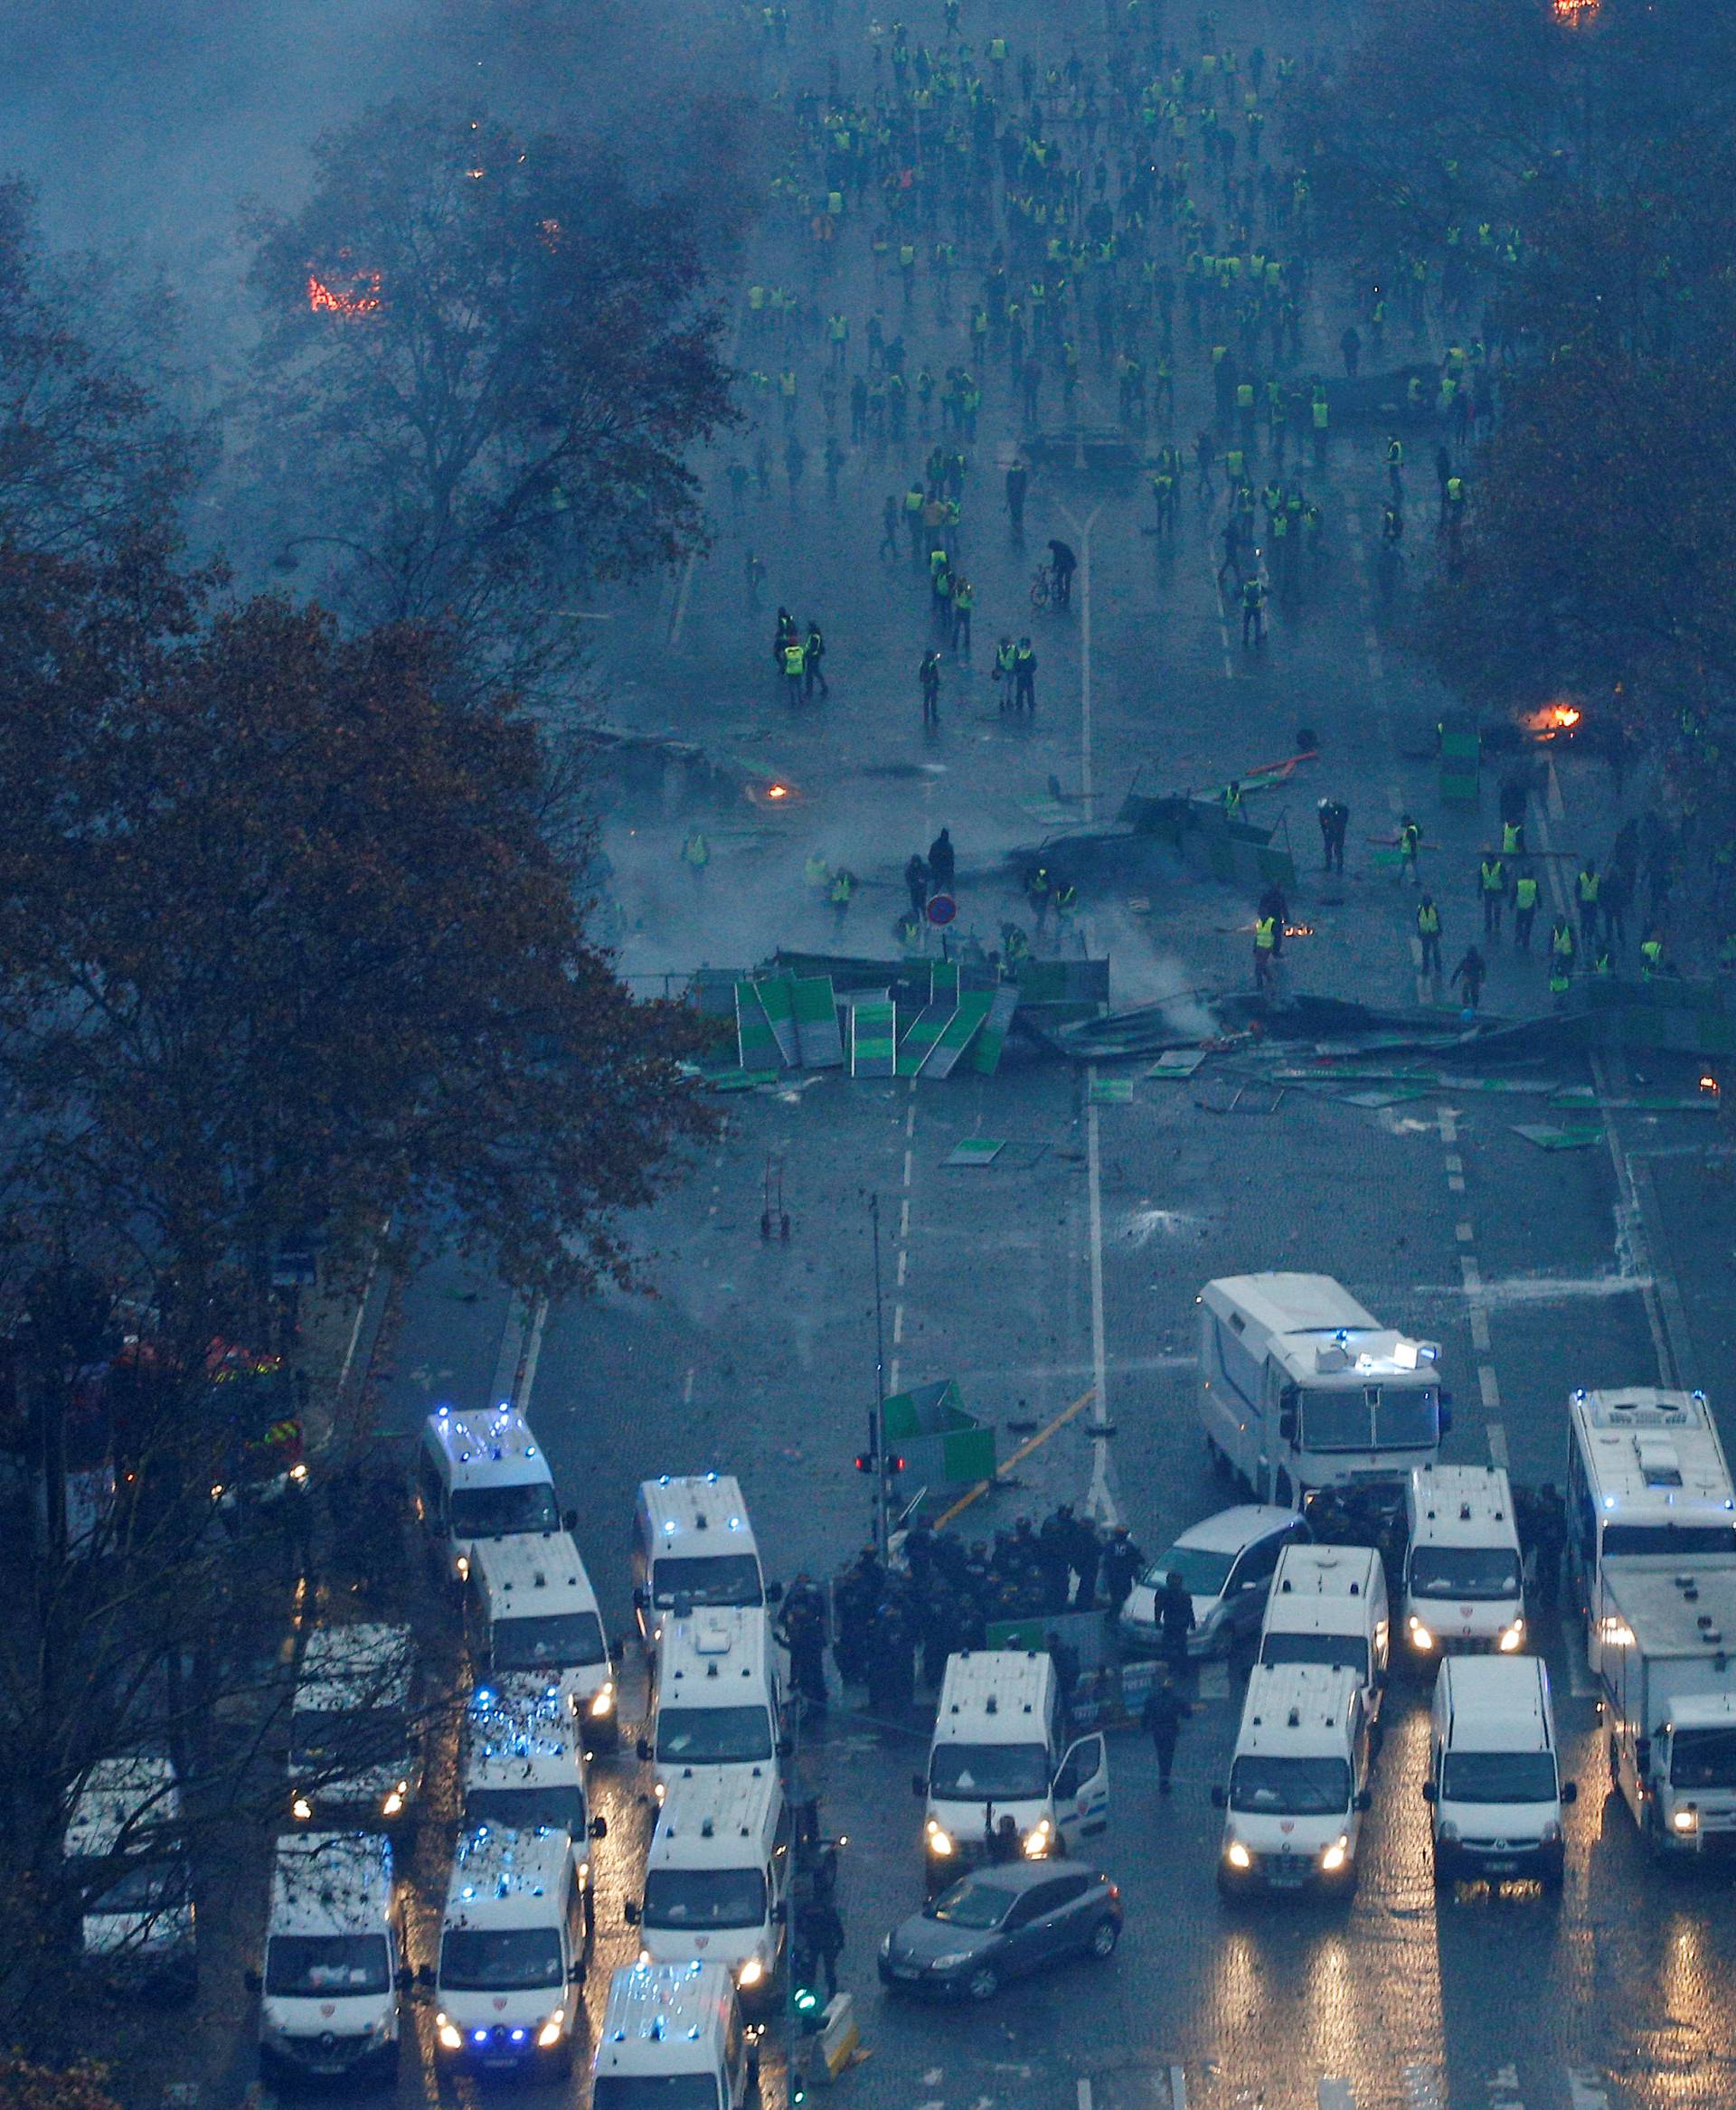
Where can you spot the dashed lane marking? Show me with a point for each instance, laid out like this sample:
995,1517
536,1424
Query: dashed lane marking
1498,1437
1335,2094
1491,1388
1479,1329
903,1262
898,1326
687,1390
1177,2088
1585,2091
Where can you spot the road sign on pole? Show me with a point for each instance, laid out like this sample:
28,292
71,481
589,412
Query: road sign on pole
942,907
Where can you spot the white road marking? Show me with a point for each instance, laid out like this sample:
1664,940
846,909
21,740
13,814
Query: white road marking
526,1377
1422,2087
1465,1234
1498,1437
904,1219
1479,1330
907,1168
1449,1124
903,1262
1579,1680
1177,2088
1584,2091
1084,2095
892,1376
1470,1270
1335,2094
1214,1682
1101,1501
512,1342
898,1326
1485,1379
687,1390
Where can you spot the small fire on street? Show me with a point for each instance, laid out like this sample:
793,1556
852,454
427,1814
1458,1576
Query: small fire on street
1552,721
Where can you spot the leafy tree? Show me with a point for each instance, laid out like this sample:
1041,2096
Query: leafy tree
290,948
485,361
25,2086
88,459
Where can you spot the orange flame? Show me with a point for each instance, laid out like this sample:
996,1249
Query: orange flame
361,297
1554,718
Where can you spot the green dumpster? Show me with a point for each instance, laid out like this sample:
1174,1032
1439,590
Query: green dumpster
943,1447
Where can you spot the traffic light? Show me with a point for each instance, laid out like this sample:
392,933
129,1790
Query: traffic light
894,1464
864,1461
810,2010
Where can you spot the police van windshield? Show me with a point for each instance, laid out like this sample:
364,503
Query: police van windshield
1343,1651
980,1772
566,1640
527,1809
1672,1541
717,1578
654,2091
502,1960
1377,1418
700,1898
314,1966
1464,1571
713,1736
140,1885
1703,1758
500,1512
346,1739
1289,1787
1498,1776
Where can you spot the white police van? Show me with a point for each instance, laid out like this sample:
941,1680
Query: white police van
1464,1577
480,1475
999,1752
126,1854
530,1608
694,1546
671,2039
716,1698
1298,1781
512,1952
717,1877
334,1960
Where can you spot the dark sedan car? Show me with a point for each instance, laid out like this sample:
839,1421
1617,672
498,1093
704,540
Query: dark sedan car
998,1923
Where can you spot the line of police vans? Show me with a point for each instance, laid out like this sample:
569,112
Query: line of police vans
519,1910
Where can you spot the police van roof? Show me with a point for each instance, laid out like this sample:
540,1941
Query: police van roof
521,1739
1686,1609
1646,1449
713,1656
533,1574
1297,1710
705,1507
502,1878
368,1665
1306,1573
660,2017
1317,1330
1496,1702
1460,1506
123,1802
331,1883
716,1816
996,1695
485,1447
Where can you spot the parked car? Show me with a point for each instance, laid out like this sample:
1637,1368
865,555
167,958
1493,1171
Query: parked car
1226,1562
998,1923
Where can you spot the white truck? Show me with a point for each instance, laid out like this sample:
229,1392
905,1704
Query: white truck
1301,1388
1668,1673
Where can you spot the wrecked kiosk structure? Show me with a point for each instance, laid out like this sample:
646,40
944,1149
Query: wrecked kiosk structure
1301,1389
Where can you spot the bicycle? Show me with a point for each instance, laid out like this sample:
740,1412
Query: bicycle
1042,586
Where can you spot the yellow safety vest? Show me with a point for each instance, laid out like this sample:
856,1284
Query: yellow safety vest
1266,934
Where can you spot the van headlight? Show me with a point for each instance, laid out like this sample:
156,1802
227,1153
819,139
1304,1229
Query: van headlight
1037,1839
1420,1636
301,1809
939,1841
461,1568
446,2029
1686,1821
1237,1855
1336,1854
1552,1834
1511,1636
750,1972
550,2033
1446,1832
395,1799
604,1702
